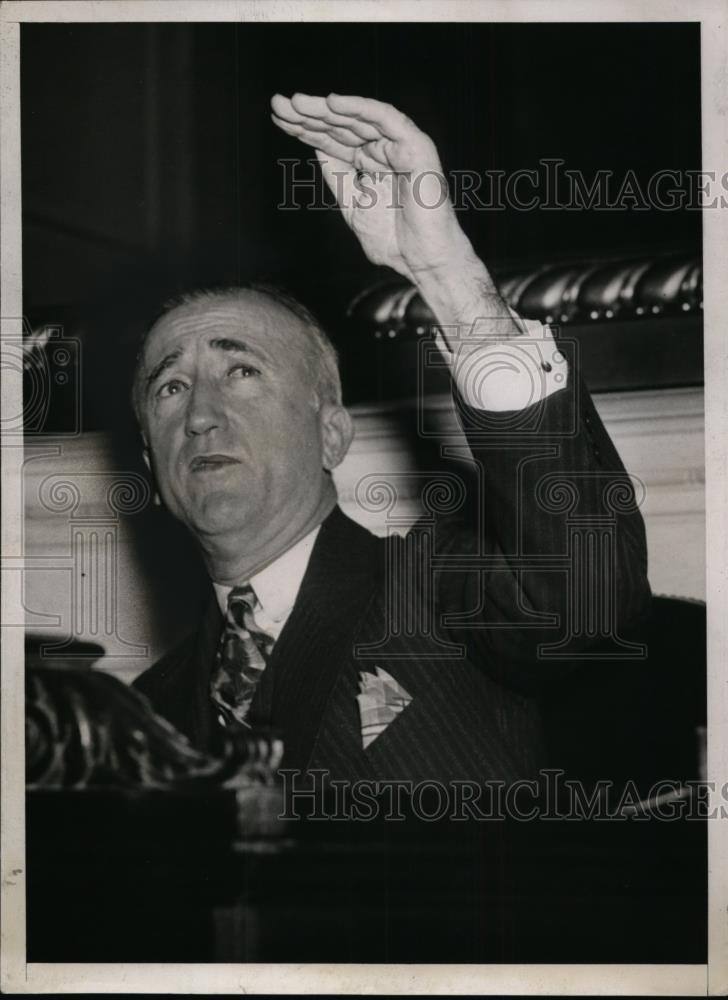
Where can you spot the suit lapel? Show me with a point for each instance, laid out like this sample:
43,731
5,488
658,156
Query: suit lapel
337,589
207,733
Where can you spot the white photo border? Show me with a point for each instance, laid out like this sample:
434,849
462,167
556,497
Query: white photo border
665,980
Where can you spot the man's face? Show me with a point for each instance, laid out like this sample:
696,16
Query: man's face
236,436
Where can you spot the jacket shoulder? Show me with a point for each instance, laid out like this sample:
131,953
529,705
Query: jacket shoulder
454,532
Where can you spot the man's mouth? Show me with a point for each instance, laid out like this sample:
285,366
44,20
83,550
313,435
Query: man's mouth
208,463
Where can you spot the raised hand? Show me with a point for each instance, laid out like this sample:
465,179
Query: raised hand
387,178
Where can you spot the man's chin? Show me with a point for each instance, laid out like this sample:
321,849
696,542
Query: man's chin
219,512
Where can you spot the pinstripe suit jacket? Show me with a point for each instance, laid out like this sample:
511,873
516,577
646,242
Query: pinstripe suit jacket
455,613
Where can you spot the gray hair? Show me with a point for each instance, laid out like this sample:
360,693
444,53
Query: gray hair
321,357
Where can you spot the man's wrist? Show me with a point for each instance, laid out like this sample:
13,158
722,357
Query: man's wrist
465,301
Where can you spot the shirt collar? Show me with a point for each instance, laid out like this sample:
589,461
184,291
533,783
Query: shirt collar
276,587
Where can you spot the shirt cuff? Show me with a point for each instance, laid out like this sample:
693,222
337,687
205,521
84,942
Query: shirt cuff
511,374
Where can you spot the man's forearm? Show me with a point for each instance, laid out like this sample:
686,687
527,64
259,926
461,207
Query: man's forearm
497,360
465,301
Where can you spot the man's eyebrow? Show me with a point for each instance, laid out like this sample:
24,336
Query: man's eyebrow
166,361
219,343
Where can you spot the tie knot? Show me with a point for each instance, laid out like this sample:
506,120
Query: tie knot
242,597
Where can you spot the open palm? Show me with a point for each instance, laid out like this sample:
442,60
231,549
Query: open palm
386,176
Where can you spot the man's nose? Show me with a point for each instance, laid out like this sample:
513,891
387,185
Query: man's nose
204,411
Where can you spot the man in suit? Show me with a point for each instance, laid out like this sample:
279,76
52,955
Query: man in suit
377,658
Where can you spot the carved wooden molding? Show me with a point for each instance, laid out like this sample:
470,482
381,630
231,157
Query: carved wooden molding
85,729
573,292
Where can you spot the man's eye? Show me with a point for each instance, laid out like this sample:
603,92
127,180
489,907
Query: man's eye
243,371
171,388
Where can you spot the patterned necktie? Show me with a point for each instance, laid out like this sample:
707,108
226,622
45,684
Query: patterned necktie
241,658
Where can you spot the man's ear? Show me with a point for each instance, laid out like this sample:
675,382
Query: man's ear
337,430
156,499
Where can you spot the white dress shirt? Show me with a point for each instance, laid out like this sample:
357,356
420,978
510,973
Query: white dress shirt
499,376
276,587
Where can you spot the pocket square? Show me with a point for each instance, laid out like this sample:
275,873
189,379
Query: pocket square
380,702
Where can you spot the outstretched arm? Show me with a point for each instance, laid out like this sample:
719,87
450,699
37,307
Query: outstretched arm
389,184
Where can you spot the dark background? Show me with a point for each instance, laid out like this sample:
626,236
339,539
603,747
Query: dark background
150,161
